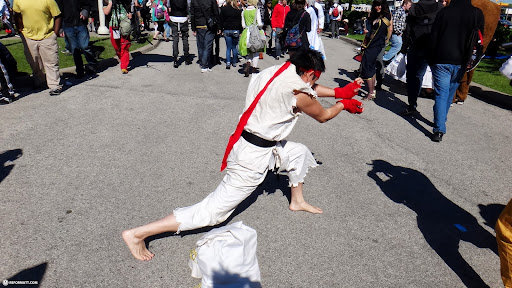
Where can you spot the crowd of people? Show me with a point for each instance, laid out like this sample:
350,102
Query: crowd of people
429,32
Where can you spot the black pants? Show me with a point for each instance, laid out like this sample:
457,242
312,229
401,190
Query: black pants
177,28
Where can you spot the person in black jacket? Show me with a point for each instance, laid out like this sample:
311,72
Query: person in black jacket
204,15
179,24
231,25
75,15
415,44
449,52
299,15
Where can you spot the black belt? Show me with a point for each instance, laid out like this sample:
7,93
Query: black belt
258,141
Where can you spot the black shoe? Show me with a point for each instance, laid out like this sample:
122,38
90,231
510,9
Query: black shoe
409,111
56,91
437,136
188,61
176,64
228,66
5,100
277,58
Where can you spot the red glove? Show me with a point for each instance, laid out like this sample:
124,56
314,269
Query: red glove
352,106
346,92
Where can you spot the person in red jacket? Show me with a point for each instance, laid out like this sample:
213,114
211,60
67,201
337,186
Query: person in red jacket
277,22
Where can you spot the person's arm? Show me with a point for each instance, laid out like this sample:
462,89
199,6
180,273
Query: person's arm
107,9
390,31
313,108
18,19
349,90
57,24
258,18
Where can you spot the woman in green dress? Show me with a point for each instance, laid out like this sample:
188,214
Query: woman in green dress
250,15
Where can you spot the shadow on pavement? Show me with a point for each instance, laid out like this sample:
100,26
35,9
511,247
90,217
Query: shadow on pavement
140,59
490,213
6,159
35,273
492,97
442,222
226,279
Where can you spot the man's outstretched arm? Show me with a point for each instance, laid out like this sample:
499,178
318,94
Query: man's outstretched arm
309,105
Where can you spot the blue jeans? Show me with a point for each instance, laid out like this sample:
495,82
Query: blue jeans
167,30
231,41
278,43
396,45
78,38
446,81
205,39
416,67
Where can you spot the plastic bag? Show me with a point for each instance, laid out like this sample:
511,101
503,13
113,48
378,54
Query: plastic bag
506,68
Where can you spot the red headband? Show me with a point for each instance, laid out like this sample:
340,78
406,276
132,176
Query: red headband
317,73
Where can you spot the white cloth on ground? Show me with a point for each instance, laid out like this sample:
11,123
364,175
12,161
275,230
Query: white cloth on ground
397,69
226,257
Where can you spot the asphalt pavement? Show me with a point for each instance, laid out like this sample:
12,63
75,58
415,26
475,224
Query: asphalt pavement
116,151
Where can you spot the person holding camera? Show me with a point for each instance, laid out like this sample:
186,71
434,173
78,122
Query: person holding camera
120,42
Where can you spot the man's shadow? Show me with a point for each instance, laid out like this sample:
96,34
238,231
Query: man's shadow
6,159
442,222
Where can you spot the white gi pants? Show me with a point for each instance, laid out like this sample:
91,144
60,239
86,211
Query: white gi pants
247,167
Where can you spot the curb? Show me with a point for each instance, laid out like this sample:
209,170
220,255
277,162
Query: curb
476,90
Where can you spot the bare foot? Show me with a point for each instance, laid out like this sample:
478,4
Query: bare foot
305,206
137,246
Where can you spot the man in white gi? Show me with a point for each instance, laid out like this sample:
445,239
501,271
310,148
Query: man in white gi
261,146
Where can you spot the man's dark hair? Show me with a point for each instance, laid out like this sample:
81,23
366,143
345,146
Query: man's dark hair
299,4
305,60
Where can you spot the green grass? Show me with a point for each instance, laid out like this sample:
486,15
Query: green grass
487,73
101,45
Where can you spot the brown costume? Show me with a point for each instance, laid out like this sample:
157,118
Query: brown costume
492,13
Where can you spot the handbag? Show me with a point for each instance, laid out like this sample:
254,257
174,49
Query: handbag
125,27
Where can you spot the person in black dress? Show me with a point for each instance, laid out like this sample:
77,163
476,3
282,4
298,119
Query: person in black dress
379,32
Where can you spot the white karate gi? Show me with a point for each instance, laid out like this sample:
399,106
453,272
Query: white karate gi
247,165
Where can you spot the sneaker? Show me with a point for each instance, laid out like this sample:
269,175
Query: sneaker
124,71
176,64
65,52
5,100
204,70
409,111
56,91
277,58
209,70
228,65
437,137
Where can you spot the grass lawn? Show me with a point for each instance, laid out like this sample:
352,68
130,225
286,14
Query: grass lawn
486,73
101,46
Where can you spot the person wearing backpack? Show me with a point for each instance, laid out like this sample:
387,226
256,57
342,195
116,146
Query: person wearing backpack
450,51
297,22
415,44
121,43
336,13
251,17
